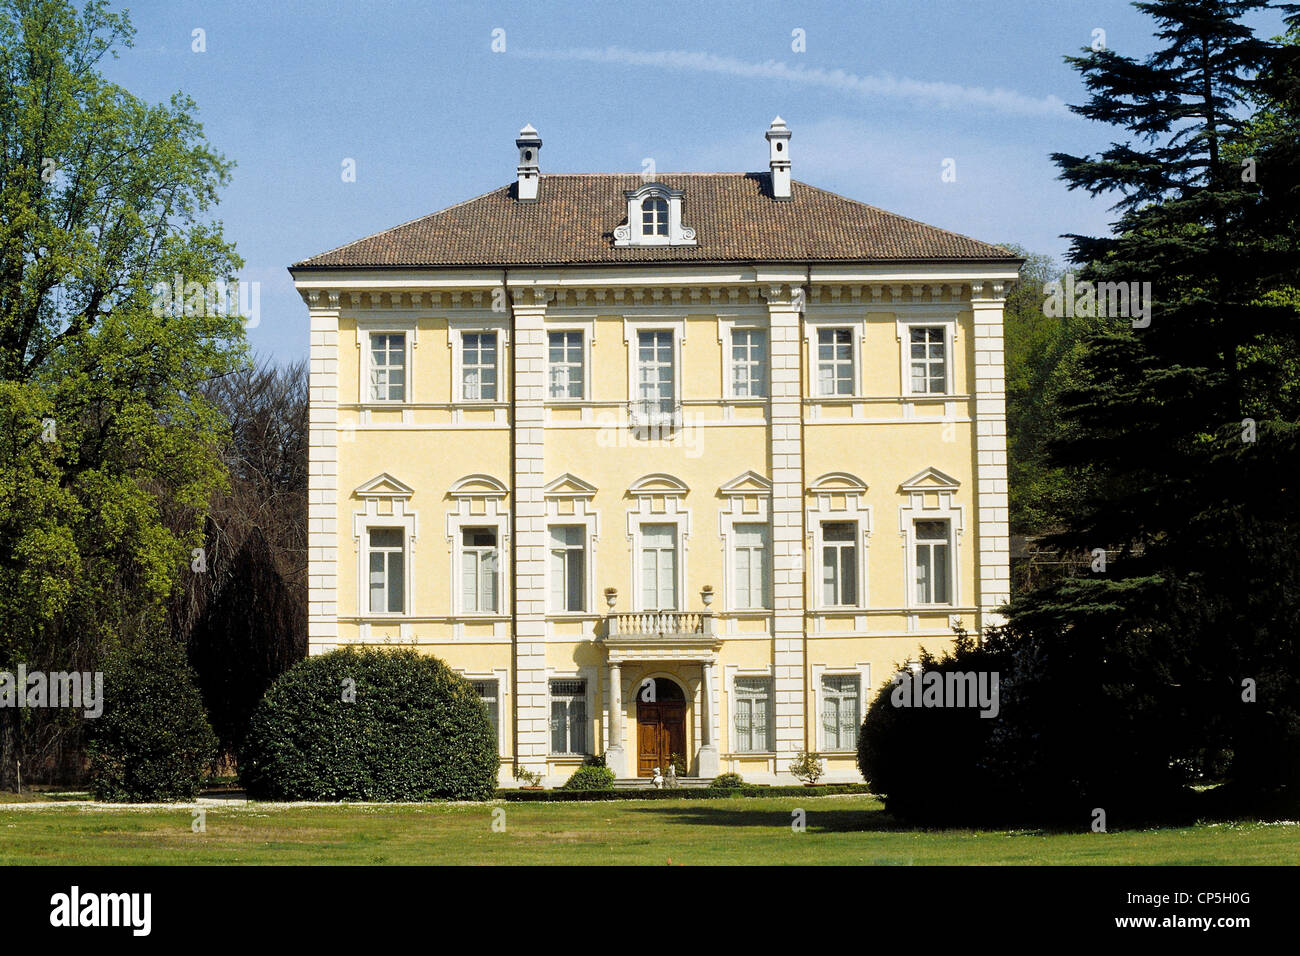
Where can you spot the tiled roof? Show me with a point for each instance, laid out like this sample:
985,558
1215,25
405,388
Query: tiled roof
733,214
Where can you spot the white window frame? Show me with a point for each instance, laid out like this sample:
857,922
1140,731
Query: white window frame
368,549
733,698
396,513
862,671
858,561
462,551
585,331
457,328
752,486
588,720
587,574
915,553
501,677
823,491
645,490
631,233
903,329
812,328
491,492
930,482
658,214
498,386
632,329
766,602
366,327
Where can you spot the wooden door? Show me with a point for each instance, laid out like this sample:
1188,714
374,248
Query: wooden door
660,733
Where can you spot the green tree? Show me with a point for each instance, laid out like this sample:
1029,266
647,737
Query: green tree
110,452
1177,470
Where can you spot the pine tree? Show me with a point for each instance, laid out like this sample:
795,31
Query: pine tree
1181,461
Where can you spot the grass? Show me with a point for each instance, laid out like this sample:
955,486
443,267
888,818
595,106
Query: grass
840,830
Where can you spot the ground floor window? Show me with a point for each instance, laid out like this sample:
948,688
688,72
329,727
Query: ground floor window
753,715
488,694
840,717
569,717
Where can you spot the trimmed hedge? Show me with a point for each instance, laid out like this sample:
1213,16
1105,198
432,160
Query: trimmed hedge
372,724
153,741
591,778
682,793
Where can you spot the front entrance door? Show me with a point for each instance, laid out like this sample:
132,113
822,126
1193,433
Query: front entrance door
660,725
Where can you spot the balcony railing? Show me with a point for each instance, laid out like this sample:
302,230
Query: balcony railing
665,416
650,625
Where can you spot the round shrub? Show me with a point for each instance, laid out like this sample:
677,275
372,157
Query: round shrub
370,724
153,740
727,781
590,778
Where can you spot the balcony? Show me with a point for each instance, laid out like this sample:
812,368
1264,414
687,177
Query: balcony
659,625
654,417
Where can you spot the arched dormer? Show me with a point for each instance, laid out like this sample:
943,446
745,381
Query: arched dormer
654,218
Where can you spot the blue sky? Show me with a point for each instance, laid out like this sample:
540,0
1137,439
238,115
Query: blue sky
883,94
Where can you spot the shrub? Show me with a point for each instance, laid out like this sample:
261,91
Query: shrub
370,724
594,760
727,781
153,740
591,778
807,767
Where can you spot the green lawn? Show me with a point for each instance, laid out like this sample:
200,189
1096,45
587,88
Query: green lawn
843,830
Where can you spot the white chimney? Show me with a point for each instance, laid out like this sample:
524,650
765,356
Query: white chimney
530,145
778,147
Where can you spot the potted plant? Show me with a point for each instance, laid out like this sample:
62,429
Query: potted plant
529,779
807,767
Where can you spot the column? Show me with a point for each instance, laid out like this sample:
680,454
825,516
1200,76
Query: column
614,756
993,518
786,470
323,473
708,746
532,719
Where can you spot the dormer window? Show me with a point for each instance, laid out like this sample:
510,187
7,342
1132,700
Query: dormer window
654,218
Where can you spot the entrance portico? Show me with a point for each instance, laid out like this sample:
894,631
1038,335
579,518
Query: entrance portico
662,692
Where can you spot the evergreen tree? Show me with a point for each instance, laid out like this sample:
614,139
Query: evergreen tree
1177,445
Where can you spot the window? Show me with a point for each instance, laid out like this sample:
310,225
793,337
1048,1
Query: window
480,570
659,567
835,362
568,717
840,711
568,568
929,360
479,367
388,367
656,381
387,571
654,217
753,715
751,566
749,363
839,564
566,371
933,569
487,691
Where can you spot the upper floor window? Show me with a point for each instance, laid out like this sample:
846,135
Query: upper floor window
568,568
658,567
932,562
654,217
752,562
839,564
387,561
749,363
479,367
656,373
480,571
566,372
929,360
387,367
835,374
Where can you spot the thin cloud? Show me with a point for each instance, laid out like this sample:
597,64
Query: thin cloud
948,95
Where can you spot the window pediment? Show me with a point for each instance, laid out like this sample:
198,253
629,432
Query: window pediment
932,479
478,486
569,486
658,484
747,483
654,218
384,485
